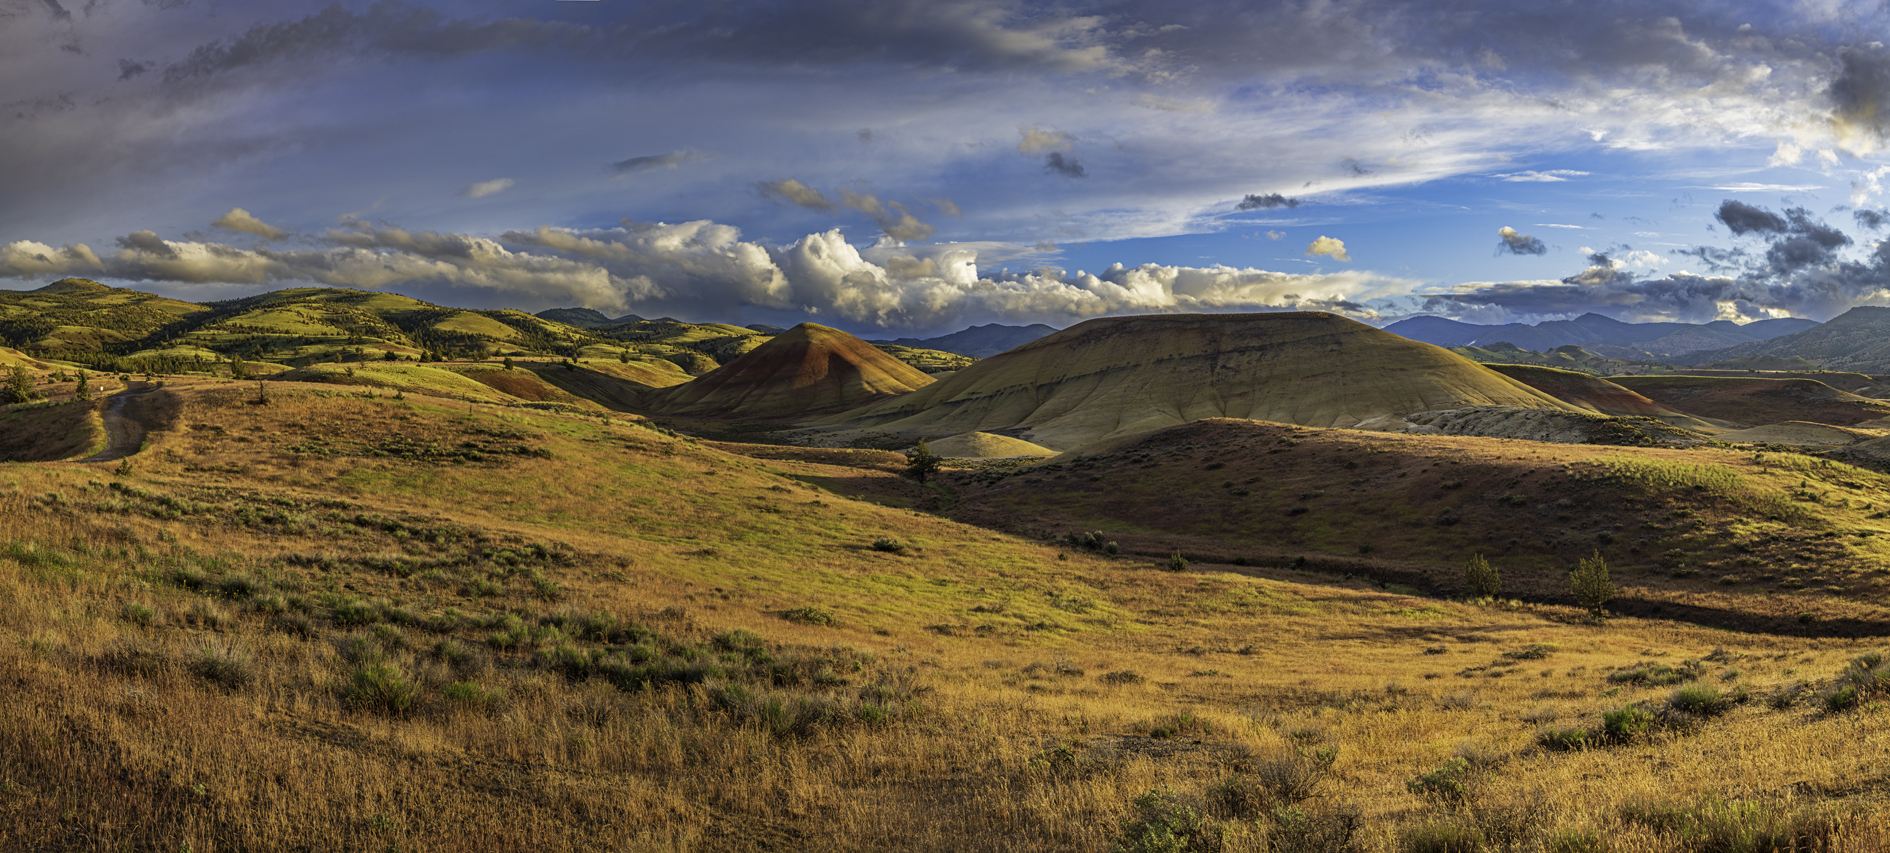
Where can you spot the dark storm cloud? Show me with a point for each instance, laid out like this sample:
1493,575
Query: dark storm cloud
58,12
1869,218
1800,274
1513,242
1266,202
1744,218
128,69
1860,94
1065,165
146,241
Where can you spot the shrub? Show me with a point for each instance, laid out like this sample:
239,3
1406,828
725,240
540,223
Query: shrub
382,688
1563,740
1443,837
1628,723
1658,675
1533,651
19,387
140,614
469,695
1450,782
1112,549
809,616
1162,823
1590,585
1703,700
1121,677
227,666
1176,562
1481,579
1713,824
890,545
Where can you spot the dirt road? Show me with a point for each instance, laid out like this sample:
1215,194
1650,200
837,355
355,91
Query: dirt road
125,424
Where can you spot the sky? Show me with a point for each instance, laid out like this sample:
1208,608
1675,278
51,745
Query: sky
899,167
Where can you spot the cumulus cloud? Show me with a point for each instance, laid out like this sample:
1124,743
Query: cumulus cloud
239,219
791,190
1266,202
1872,219
670,160
1038,140
486,188
706,268
1331,247
1742,218
1550,176
1860,98
1517,243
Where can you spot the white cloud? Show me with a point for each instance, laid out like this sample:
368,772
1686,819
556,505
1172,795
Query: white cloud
486,188
1550,176
1331,247
1749,187
1558,225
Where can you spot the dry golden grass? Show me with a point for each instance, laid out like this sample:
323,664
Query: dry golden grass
183,646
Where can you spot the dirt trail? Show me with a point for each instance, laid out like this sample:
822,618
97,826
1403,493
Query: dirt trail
125,423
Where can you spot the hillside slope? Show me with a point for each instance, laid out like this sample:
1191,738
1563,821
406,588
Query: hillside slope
1858,339
1756,402
808,370
1120,375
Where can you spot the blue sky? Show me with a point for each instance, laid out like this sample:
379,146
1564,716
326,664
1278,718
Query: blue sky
916,167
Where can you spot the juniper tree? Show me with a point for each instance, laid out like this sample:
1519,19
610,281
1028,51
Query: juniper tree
19,387
921,462
84,389
1590,585
1481,579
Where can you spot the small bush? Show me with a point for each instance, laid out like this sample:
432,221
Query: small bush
810,616
1704,700
140,614
1121,677
1713,824
1450,782
890,545
226,666
468,695
1443,837
1176,563
382,688
1162,823
1628,723
1534,651
1563,740
1590,585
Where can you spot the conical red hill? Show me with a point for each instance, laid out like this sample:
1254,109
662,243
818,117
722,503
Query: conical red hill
807,370
1119,375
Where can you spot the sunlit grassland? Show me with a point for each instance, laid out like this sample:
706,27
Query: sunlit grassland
222,649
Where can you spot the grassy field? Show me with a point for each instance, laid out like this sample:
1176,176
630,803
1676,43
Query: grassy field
339,621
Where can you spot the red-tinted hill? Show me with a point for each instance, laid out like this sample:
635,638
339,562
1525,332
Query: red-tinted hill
805,371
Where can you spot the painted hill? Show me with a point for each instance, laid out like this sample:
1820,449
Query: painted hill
1657,339
1119,375
1595,394
808,370
1756,402
1858,339
979,341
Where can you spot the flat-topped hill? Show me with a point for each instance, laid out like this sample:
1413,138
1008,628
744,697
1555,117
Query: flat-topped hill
808,370
1119,375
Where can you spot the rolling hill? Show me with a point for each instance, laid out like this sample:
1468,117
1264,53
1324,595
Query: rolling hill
1638,339
1121,375
1858,339
1756,402
978,341
808,370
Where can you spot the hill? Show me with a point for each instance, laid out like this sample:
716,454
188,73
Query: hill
1756,402
1643,339
338,622
1596,395
1568,357
1858,339
978,341
585,318
1119,375
808,370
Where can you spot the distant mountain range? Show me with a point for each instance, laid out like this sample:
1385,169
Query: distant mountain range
1602,335
1858,339
978,341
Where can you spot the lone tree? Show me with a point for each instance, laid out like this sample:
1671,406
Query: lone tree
922,463
83,391
1481,578
19,388
1590,585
